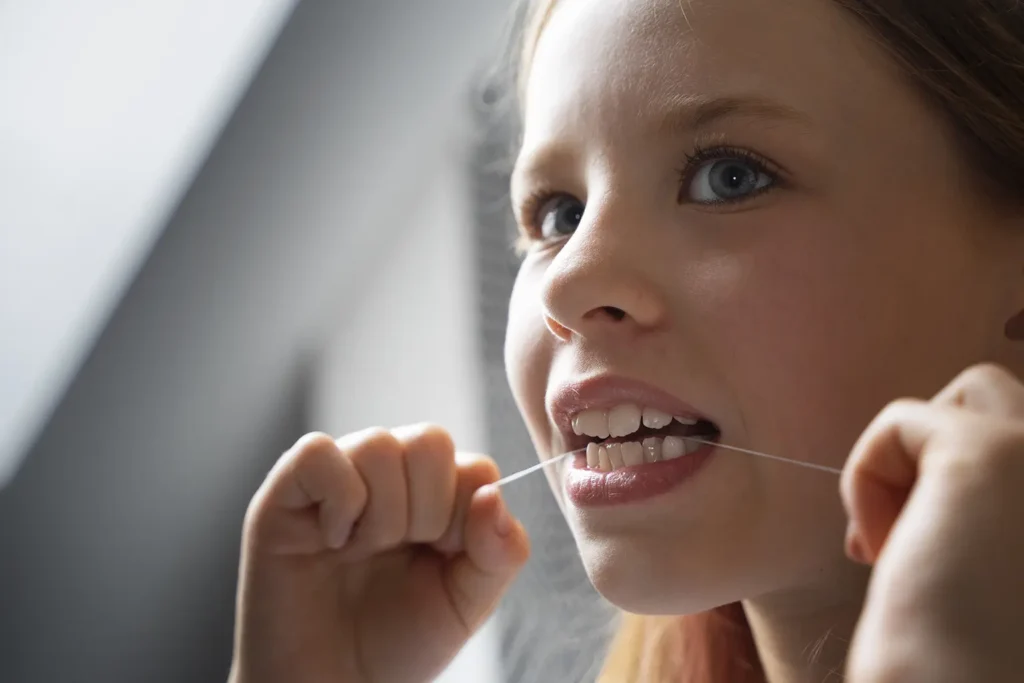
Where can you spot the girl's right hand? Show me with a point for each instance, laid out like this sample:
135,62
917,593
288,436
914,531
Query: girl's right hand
370,559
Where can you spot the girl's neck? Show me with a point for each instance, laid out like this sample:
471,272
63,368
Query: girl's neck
803,635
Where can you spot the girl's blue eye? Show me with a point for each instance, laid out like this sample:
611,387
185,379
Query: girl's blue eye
725,180
559,217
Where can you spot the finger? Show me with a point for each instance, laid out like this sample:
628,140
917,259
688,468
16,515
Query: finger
377,456
986,388
310,499
883,468
431,478
496,549
473,471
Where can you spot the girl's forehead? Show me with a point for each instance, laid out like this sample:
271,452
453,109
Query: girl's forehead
622,64
589,48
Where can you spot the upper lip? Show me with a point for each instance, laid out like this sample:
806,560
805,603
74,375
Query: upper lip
604,392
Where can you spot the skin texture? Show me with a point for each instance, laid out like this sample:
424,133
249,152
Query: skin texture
871,270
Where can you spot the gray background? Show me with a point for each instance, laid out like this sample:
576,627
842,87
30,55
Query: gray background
119,536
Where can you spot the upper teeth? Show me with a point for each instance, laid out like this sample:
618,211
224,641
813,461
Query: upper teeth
622,420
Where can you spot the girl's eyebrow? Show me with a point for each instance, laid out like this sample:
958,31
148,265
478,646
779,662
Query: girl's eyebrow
679,115
543,162
687,114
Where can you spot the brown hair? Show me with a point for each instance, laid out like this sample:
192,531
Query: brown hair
966,59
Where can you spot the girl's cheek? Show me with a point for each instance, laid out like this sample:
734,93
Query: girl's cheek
517,331
528,351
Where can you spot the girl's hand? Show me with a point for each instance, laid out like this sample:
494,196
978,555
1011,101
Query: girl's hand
371,559
935,495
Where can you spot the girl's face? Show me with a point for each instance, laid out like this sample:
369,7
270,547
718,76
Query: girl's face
737,206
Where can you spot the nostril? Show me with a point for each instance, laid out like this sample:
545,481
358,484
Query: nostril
616,313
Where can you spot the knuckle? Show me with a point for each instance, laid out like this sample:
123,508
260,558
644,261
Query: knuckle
380,438
902,404
375,436
895,410
255,511
314,442
987,374
862,457
475,469
471,459
309,451
487,470
375,442
430,438
310,447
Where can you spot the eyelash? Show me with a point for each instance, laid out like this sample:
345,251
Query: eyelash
694,160
701,155
530,206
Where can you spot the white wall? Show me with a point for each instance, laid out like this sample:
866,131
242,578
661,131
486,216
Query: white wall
404,348
109,108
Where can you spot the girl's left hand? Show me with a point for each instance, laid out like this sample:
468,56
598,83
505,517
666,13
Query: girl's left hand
935,495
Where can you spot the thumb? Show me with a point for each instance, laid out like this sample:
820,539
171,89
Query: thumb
882,471
496,548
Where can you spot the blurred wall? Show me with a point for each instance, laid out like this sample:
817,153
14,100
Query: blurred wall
108,110
119,538
406,350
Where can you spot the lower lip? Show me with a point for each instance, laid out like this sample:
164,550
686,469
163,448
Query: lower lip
587,488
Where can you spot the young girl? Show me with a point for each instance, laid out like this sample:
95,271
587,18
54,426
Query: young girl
760,222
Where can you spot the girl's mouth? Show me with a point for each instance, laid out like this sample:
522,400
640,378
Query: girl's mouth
631,440
630,436
633,454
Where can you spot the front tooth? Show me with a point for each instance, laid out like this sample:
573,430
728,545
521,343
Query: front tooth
576,425
690,421
672,447
623,420
632,454
593,460
603,460
615,455
655,419
592,423
652,449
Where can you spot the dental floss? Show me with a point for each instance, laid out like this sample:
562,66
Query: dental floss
530,470
800,463
559,458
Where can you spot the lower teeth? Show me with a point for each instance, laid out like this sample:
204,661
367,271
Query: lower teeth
610,457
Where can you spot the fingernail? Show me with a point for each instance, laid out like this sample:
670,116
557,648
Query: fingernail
855,546
338,537
503,523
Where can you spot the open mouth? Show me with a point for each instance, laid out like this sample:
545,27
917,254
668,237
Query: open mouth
628,435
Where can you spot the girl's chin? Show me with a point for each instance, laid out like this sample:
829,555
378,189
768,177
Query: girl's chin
648,582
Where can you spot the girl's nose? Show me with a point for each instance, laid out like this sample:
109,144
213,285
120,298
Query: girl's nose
597,284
